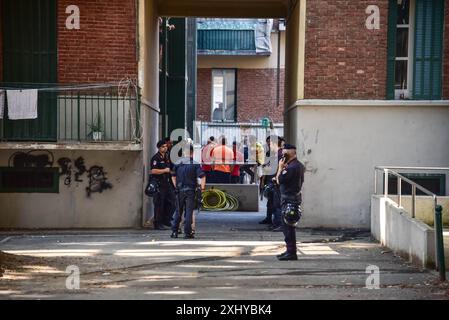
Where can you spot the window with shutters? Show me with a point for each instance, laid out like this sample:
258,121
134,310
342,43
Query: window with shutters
415,40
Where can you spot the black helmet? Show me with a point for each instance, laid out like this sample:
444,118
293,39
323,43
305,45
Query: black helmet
152,187
291,214
268,190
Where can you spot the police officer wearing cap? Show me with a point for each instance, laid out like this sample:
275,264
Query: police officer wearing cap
185,176
290,177
160,169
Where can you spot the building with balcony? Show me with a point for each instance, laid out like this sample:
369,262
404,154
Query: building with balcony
365,85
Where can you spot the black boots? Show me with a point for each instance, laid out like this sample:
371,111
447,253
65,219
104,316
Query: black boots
287,256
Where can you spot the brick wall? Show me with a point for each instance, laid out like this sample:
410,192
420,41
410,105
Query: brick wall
203,94
344,60
446,53
104,49
256,95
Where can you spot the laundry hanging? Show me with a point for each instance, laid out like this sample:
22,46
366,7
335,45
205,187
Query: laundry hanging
22,104
2,103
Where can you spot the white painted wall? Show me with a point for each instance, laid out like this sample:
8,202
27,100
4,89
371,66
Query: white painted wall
341,143
395,229
425,208
119,207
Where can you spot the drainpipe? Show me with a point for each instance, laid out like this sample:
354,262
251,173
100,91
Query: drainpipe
278,67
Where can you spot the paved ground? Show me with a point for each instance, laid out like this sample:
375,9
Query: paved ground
233,257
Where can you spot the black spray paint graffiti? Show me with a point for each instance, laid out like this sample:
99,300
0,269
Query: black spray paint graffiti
97,177
66,169
97,180
79,164
28,160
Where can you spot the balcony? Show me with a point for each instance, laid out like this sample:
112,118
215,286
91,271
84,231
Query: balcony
92,117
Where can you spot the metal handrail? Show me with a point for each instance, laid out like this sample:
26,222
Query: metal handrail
439,243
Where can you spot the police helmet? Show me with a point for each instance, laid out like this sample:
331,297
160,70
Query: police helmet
268,190
291,214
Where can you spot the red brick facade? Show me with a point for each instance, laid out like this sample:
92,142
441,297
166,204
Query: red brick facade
256,95
345,60
104,49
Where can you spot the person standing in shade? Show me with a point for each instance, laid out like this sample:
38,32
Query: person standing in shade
184,176
273,217
160,169
290,177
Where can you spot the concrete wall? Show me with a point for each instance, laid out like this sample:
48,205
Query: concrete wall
341,142
395,229
149,82
119,207
425,208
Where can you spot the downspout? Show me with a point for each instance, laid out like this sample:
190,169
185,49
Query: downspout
278,67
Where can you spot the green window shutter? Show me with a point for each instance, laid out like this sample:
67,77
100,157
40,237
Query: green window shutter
392,23
226,40
427,66
30,61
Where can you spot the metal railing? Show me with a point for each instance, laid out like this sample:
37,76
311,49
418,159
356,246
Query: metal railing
237,131
438,209
84,113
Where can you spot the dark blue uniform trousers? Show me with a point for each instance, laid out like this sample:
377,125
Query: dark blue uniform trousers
289,236
274,208
185,202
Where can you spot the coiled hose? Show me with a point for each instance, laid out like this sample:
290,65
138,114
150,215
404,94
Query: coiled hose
217,200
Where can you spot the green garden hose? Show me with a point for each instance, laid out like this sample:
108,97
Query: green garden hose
217,200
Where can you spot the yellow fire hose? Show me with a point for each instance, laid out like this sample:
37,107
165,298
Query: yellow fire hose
217,200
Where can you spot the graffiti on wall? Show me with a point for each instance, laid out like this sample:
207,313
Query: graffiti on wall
97,180
30,159
97,177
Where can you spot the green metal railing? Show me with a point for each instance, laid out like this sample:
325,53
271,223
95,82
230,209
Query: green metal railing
81,113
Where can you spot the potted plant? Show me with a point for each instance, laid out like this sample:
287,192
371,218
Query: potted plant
96,129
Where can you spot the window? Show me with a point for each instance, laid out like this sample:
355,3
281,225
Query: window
415,38
404,49
224,95
29,180
435,183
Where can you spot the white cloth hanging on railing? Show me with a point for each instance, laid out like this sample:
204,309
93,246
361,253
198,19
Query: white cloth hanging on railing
2,103
22,104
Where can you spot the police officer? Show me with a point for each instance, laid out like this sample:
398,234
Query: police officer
184,176
290,178
160,169
273,217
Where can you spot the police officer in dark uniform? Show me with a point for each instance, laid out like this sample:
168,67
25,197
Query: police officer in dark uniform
184,175
273,217
290,178
160,169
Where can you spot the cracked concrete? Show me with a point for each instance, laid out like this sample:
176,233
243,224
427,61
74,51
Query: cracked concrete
233,257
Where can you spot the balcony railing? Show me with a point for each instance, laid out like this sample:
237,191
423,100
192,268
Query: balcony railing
238,131
78,113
